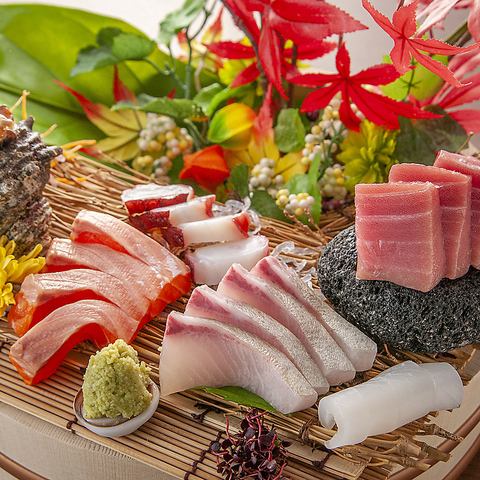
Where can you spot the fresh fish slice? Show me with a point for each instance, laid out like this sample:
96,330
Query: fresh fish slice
207,303
395,397
468,166
198,352
243,286
455,193
360,349
38,354
147,197
66,255
43,293
95,227
199,208
218,229
209,264
399,234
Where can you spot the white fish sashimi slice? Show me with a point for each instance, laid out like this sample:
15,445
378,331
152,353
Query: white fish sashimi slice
243,286
218,229
397,396
360,349
199,352
207,303
209,264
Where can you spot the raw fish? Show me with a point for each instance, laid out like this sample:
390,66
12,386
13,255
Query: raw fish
399,234
468,166
218,229
94,227
147,197
395,397
199,208
66,255
243,286
43,293
455,192
360,350
42,349
209,264
207,303
199,352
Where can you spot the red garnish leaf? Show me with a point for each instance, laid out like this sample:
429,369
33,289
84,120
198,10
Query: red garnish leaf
247,75
231,50
121,93
469,119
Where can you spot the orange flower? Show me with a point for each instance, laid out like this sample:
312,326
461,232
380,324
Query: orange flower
207,167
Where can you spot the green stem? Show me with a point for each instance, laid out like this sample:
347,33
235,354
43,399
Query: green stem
154,66
457,34
291,87
193,130
188,68
410,83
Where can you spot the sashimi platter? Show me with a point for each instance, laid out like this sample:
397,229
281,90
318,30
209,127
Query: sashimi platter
207,341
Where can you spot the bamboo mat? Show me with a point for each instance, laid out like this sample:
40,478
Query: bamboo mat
177,438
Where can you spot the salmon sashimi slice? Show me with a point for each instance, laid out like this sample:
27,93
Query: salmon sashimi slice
243,286
65,255
455,193
207,303
468,166
200,352
147,197
413,209
39,353
41,294
360,349
199,208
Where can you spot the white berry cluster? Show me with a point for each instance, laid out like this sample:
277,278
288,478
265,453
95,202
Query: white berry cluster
332,183
263,177
295,204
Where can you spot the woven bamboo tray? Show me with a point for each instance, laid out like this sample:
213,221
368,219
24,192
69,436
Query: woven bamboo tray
176,440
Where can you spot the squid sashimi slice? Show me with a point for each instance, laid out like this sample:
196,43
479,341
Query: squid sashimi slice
38,354
140,279
199,208
243,286
455,194
41,294
209,264
207,303
200,352
395,397
94,227
360,349
226,228
399,234
468,166
147,197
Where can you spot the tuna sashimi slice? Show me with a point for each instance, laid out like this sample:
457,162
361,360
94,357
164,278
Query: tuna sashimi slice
209,264
218,229
38,354
199,208
147,197
41,294
399,234
200,352
455,192
243,286
66,255
94,227
468,166
360,349
207,303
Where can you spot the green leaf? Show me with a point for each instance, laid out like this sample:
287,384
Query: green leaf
182,18
92,58
241,396
265,205
106,35
204,97
128,46
420,140
289,131
308,183
224,95
239,180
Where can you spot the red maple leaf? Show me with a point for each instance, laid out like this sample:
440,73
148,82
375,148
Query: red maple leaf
402,29
381,110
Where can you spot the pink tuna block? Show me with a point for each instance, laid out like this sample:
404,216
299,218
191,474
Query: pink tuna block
455,192
468,166
399,234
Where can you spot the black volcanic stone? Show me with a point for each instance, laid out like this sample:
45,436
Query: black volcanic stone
447,317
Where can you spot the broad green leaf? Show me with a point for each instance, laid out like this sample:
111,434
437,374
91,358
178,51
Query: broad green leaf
241,396
92,58
239,180
204,97
265,205
289,131
128,46
106,35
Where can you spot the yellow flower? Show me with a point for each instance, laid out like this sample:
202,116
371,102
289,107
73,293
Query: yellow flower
368,154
